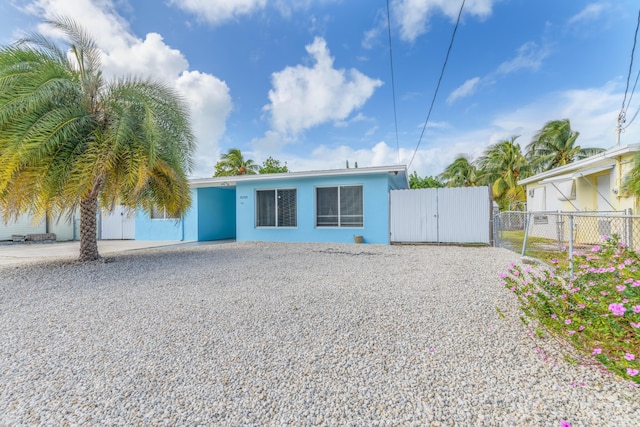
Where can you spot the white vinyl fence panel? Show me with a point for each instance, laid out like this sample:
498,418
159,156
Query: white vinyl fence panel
441,215
120,224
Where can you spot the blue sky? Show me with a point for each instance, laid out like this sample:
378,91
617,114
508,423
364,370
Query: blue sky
309,81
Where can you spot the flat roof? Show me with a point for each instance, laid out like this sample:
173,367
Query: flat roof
230,181
592,161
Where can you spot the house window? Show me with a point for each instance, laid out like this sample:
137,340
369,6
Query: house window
160,213
276,208
339,206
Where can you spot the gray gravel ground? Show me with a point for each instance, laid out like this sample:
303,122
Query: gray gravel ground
285,334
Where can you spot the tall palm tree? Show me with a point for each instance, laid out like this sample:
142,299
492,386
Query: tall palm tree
69,138
461,173
554,145
503,165
233,163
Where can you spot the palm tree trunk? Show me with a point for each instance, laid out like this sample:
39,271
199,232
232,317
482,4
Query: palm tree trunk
88,224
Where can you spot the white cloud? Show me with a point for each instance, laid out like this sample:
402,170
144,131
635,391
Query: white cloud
590,13
303,97
466,89
219,11
126,54
529,56
413,15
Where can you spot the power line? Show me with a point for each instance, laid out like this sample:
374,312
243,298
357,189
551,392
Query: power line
435,94
393,83
621,116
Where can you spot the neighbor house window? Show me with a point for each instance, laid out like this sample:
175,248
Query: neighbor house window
339,206
276,208
161,213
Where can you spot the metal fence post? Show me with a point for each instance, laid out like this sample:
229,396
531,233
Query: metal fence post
571,245
527,220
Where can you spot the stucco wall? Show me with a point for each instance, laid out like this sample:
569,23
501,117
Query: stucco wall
375,209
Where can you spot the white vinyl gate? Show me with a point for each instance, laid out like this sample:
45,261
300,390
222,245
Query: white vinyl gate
441,215
118,225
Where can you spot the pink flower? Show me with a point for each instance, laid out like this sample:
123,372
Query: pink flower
581,328
628,261
515,272
617,309
597,351
554,261
563,296
604,293
632,372
629,356
621,288
635,325
571,332
635,284
636,309
565,423
503,275
567,322
581,305
595,248
554,316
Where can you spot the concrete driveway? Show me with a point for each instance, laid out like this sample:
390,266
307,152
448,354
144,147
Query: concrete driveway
20,253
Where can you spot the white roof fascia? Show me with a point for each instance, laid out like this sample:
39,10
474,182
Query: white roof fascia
578,174
230,181
609,154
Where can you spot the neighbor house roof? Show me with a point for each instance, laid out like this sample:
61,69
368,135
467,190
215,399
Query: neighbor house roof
398,173
587,166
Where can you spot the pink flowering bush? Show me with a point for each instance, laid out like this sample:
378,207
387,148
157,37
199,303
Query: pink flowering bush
596,312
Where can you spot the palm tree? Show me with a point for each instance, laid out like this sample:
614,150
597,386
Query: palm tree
554,145
233,163
503,165
69,138
461,173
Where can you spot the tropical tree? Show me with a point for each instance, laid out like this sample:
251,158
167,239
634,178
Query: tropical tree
233,163
272,165
462,172
70,138
554,145
503,165
427,182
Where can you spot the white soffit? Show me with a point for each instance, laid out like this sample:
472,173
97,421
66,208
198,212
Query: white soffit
578,174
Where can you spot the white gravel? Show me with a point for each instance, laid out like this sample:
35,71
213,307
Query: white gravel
285,334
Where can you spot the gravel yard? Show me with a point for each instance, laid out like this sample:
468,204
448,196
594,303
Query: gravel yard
285,334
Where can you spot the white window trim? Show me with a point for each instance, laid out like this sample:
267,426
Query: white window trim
339,227
255,198
165,217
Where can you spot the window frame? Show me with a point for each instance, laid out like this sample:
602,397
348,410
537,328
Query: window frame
339,214
276,216
164,217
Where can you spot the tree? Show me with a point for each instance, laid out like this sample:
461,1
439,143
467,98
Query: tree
233,163
427,182
69,138
554,145
272,165
461,173
503,164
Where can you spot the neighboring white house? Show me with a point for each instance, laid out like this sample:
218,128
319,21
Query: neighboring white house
116,225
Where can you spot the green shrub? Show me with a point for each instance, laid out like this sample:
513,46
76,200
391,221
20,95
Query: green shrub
596,311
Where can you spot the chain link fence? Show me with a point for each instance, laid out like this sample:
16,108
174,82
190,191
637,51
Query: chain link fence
545,235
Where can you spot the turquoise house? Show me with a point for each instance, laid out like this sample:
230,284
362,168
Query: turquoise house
314,206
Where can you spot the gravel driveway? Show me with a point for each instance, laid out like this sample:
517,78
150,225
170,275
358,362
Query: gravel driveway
285,334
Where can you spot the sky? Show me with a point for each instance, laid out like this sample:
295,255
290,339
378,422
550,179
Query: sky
310,82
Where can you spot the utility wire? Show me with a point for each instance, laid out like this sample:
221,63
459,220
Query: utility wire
435,94
393,83
629,103
622,114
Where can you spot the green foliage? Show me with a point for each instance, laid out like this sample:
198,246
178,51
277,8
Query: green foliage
594,315
233,163
461,173
272,165
69,139
554,146
427,182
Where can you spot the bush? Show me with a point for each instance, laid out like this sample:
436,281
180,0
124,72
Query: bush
596,311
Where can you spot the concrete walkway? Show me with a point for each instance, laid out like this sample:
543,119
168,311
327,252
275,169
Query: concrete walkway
20,253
